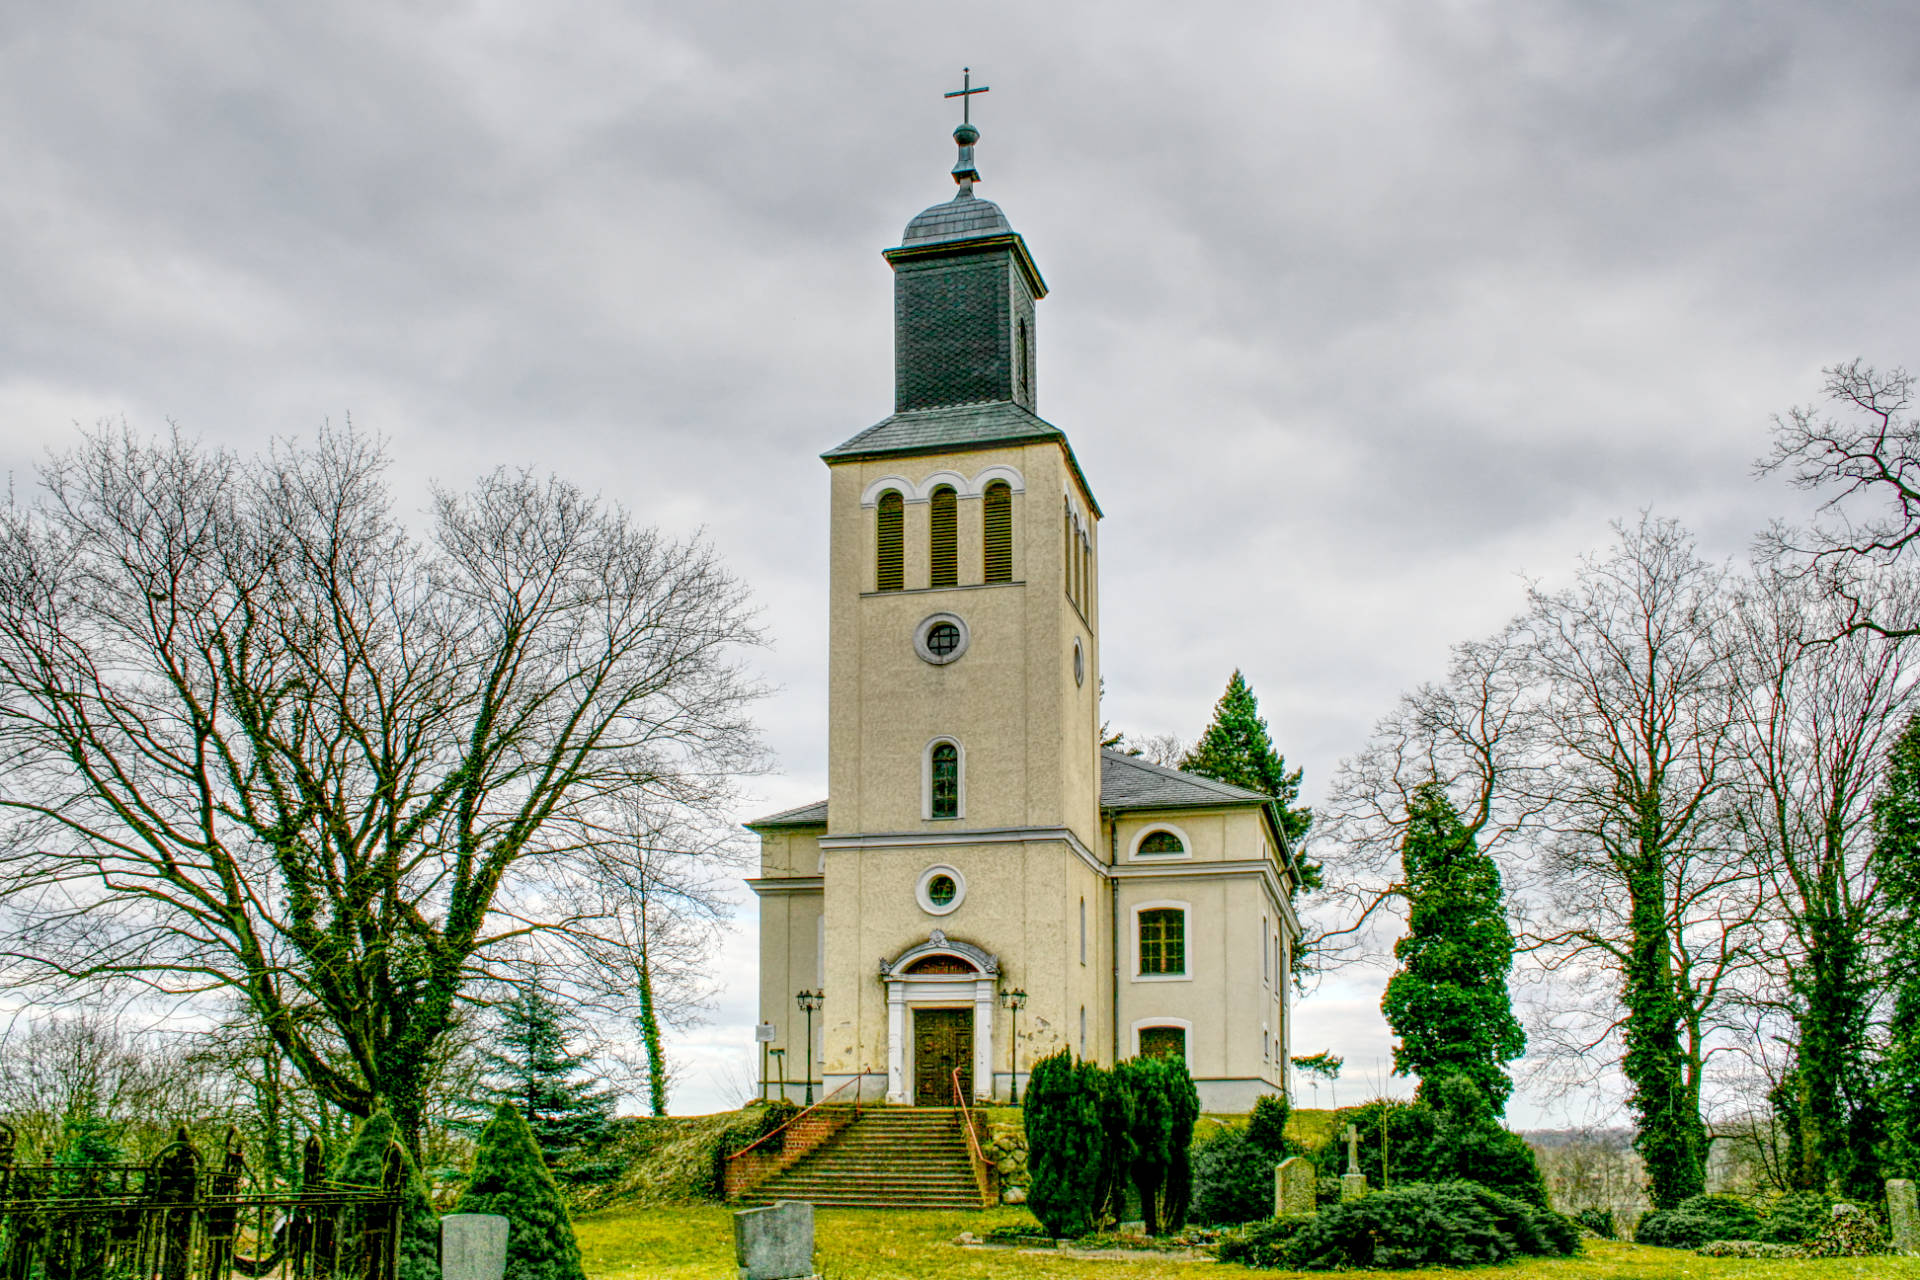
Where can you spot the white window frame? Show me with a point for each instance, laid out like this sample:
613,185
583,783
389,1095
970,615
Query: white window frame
1173,829
1186,934
926,780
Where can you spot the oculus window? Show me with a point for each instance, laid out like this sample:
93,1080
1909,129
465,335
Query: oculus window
941,891
941,638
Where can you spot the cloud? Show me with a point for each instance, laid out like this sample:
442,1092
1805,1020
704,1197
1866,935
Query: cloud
1359,311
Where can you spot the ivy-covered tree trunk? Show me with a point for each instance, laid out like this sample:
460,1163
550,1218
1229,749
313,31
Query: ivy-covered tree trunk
1671,1139
1896,822
1841,1116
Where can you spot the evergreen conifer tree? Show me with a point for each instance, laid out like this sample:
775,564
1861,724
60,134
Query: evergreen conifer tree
1448,1002
1896,828
1165,1106
1065,1144
534,1069
1237,749
510,1179
1267,1125
363,1164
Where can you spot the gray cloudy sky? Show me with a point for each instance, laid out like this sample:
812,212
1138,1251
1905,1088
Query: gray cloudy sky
1360,311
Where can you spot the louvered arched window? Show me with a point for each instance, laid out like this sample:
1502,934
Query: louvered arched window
1066,547
887,541
945,538
997,515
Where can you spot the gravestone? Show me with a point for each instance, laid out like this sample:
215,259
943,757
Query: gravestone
775,1243
473,1246
1296,1186
1353,1183
1903,1215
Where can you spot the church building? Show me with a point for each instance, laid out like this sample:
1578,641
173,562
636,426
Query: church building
984,884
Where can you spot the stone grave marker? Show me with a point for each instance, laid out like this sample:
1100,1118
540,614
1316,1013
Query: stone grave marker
775,1243
1296,1186
1353,1183
1903,1215
473,1246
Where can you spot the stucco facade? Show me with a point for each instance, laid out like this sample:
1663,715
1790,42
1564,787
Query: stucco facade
977,840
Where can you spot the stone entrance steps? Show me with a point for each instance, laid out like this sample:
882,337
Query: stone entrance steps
890,1158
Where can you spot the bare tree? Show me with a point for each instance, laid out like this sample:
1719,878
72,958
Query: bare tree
257,739
1469,733
1866,461
1820,703
1635,749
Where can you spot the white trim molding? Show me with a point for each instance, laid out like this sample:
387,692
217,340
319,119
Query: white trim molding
952,479
1186,844
926,779
765,885
1186,932
922,890
1011,475
1141,1024
870,496
973,835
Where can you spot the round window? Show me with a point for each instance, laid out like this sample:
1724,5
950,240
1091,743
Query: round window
941,638
1079,663
941,890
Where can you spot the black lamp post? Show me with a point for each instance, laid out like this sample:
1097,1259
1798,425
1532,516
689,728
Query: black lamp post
810,1001
1014,1000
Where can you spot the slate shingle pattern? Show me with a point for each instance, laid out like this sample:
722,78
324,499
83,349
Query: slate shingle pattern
962,218
957,426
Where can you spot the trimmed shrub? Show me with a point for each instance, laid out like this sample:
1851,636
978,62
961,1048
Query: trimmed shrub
1699,1220
1165,1105
1796,1217
1232,1180
511,1179
1264,1244
1417,1225
1447,1224
1598,1221
363,1164
1267,1126
1116,1155
1065,1143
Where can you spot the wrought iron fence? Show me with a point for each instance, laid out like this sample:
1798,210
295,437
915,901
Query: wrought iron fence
181,1217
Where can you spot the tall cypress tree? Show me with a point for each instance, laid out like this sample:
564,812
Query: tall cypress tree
534,1068
1237,749
1065,1144
1448,1002
1896,829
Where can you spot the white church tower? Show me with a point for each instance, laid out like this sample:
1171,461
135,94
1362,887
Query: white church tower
979,851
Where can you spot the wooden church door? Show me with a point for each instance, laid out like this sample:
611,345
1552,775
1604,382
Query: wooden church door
942,1040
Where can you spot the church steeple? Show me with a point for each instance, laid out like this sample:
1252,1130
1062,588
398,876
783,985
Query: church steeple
964,289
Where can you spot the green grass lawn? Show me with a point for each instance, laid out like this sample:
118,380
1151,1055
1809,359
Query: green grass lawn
695,1242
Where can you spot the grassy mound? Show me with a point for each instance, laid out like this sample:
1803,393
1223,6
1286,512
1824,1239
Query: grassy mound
659,1161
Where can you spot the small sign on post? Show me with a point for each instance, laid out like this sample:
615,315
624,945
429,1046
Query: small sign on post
763,1036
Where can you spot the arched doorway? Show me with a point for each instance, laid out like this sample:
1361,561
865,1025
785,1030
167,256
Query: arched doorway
940,1000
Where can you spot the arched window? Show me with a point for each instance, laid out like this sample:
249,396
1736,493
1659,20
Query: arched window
997,516
945,546
943,794
1163,1042
1086,572
1160,842
1163,940
887,541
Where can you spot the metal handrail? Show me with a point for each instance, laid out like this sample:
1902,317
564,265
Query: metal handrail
772,1133
980,1168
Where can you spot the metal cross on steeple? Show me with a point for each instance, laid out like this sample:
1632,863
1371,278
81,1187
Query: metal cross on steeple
965,94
